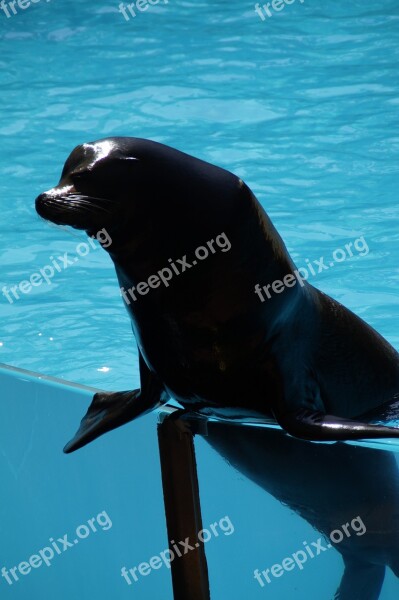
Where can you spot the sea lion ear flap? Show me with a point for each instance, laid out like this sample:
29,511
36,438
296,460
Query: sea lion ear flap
123,161
118,155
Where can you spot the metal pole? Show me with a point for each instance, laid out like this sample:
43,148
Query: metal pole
183,510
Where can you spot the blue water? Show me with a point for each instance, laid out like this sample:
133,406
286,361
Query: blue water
47,495
304,490
303,106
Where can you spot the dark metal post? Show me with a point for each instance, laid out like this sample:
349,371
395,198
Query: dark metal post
183,510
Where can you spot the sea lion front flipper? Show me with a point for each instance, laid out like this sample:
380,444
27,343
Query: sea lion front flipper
109,410
314,425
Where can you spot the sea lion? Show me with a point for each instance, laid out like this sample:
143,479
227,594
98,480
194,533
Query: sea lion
190,243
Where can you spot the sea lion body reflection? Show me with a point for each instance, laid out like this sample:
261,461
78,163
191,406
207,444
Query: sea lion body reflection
206,339
328,485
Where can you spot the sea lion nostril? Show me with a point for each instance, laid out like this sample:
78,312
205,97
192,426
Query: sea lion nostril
40,205
40,199
48,205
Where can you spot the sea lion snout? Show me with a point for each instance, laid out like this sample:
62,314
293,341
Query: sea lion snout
65,204
49,204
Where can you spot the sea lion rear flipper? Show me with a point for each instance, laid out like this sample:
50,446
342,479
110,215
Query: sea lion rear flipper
314,425
109,410
361,580
386,412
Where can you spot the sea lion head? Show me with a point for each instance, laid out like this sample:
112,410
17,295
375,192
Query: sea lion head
132,187
98,181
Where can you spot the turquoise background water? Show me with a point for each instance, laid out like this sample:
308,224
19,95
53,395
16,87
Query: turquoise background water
303,106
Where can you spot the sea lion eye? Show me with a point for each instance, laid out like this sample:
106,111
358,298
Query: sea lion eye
79,177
